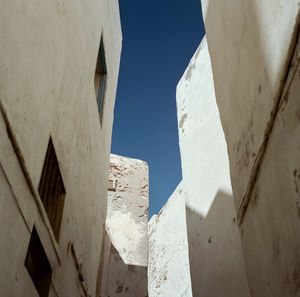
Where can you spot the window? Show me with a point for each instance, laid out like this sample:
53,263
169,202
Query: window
100,78
52,190
37,265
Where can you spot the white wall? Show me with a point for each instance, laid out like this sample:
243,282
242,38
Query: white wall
249,62
47,68
127,209
168,269
216,262
125,269
252,44
203,150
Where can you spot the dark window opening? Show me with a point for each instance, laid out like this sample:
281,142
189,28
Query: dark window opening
100,78
38,265
52,190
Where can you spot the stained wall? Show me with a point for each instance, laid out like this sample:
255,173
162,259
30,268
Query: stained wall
47,68
126,244
215,255
255,60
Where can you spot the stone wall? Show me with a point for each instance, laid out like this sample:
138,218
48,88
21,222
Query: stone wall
47,66
126,251
255,61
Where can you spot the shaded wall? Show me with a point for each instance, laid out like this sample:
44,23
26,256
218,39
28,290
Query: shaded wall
47,69
119,278
215,255
255,68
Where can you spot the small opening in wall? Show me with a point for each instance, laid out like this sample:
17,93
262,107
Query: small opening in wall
52,189
100,78
112,185
38,265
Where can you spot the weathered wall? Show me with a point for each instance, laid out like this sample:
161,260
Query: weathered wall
168,269
48,57
257,88
249,63
126,253
216,263
271,226
201,137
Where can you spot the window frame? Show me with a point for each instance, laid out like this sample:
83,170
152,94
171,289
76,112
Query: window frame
100,79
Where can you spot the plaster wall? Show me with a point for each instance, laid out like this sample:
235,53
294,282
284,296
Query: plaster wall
215,255
47,68
168,269
249,65
201,137
126,252
259,111
271,230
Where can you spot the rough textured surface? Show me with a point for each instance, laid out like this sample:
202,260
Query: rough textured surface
272,221
127,209
201,137
216,262
168,269
48,57
127,229
257,91
120,279
249,64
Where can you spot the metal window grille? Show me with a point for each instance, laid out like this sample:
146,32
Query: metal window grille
38,265
100,78
52,190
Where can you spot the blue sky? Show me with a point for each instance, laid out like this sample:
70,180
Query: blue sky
159,39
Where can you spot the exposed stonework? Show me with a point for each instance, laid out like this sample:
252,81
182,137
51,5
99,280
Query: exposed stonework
126,253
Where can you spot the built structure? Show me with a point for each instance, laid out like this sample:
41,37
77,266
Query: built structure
245,82
125,252
169,266
207,240
230,229
59,64
254,49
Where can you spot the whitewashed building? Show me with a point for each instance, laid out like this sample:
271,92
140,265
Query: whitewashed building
254,49
59,65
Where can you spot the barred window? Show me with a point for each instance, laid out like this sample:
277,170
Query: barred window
37,265
100,78
52,189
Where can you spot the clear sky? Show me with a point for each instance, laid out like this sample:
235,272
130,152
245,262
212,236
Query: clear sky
159,39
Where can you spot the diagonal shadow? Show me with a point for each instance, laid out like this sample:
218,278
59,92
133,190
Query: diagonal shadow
216,262
116,278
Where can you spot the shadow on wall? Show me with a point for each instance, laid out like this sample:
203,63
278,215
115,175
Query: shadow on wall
251,57
242,96
118,278
216,263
